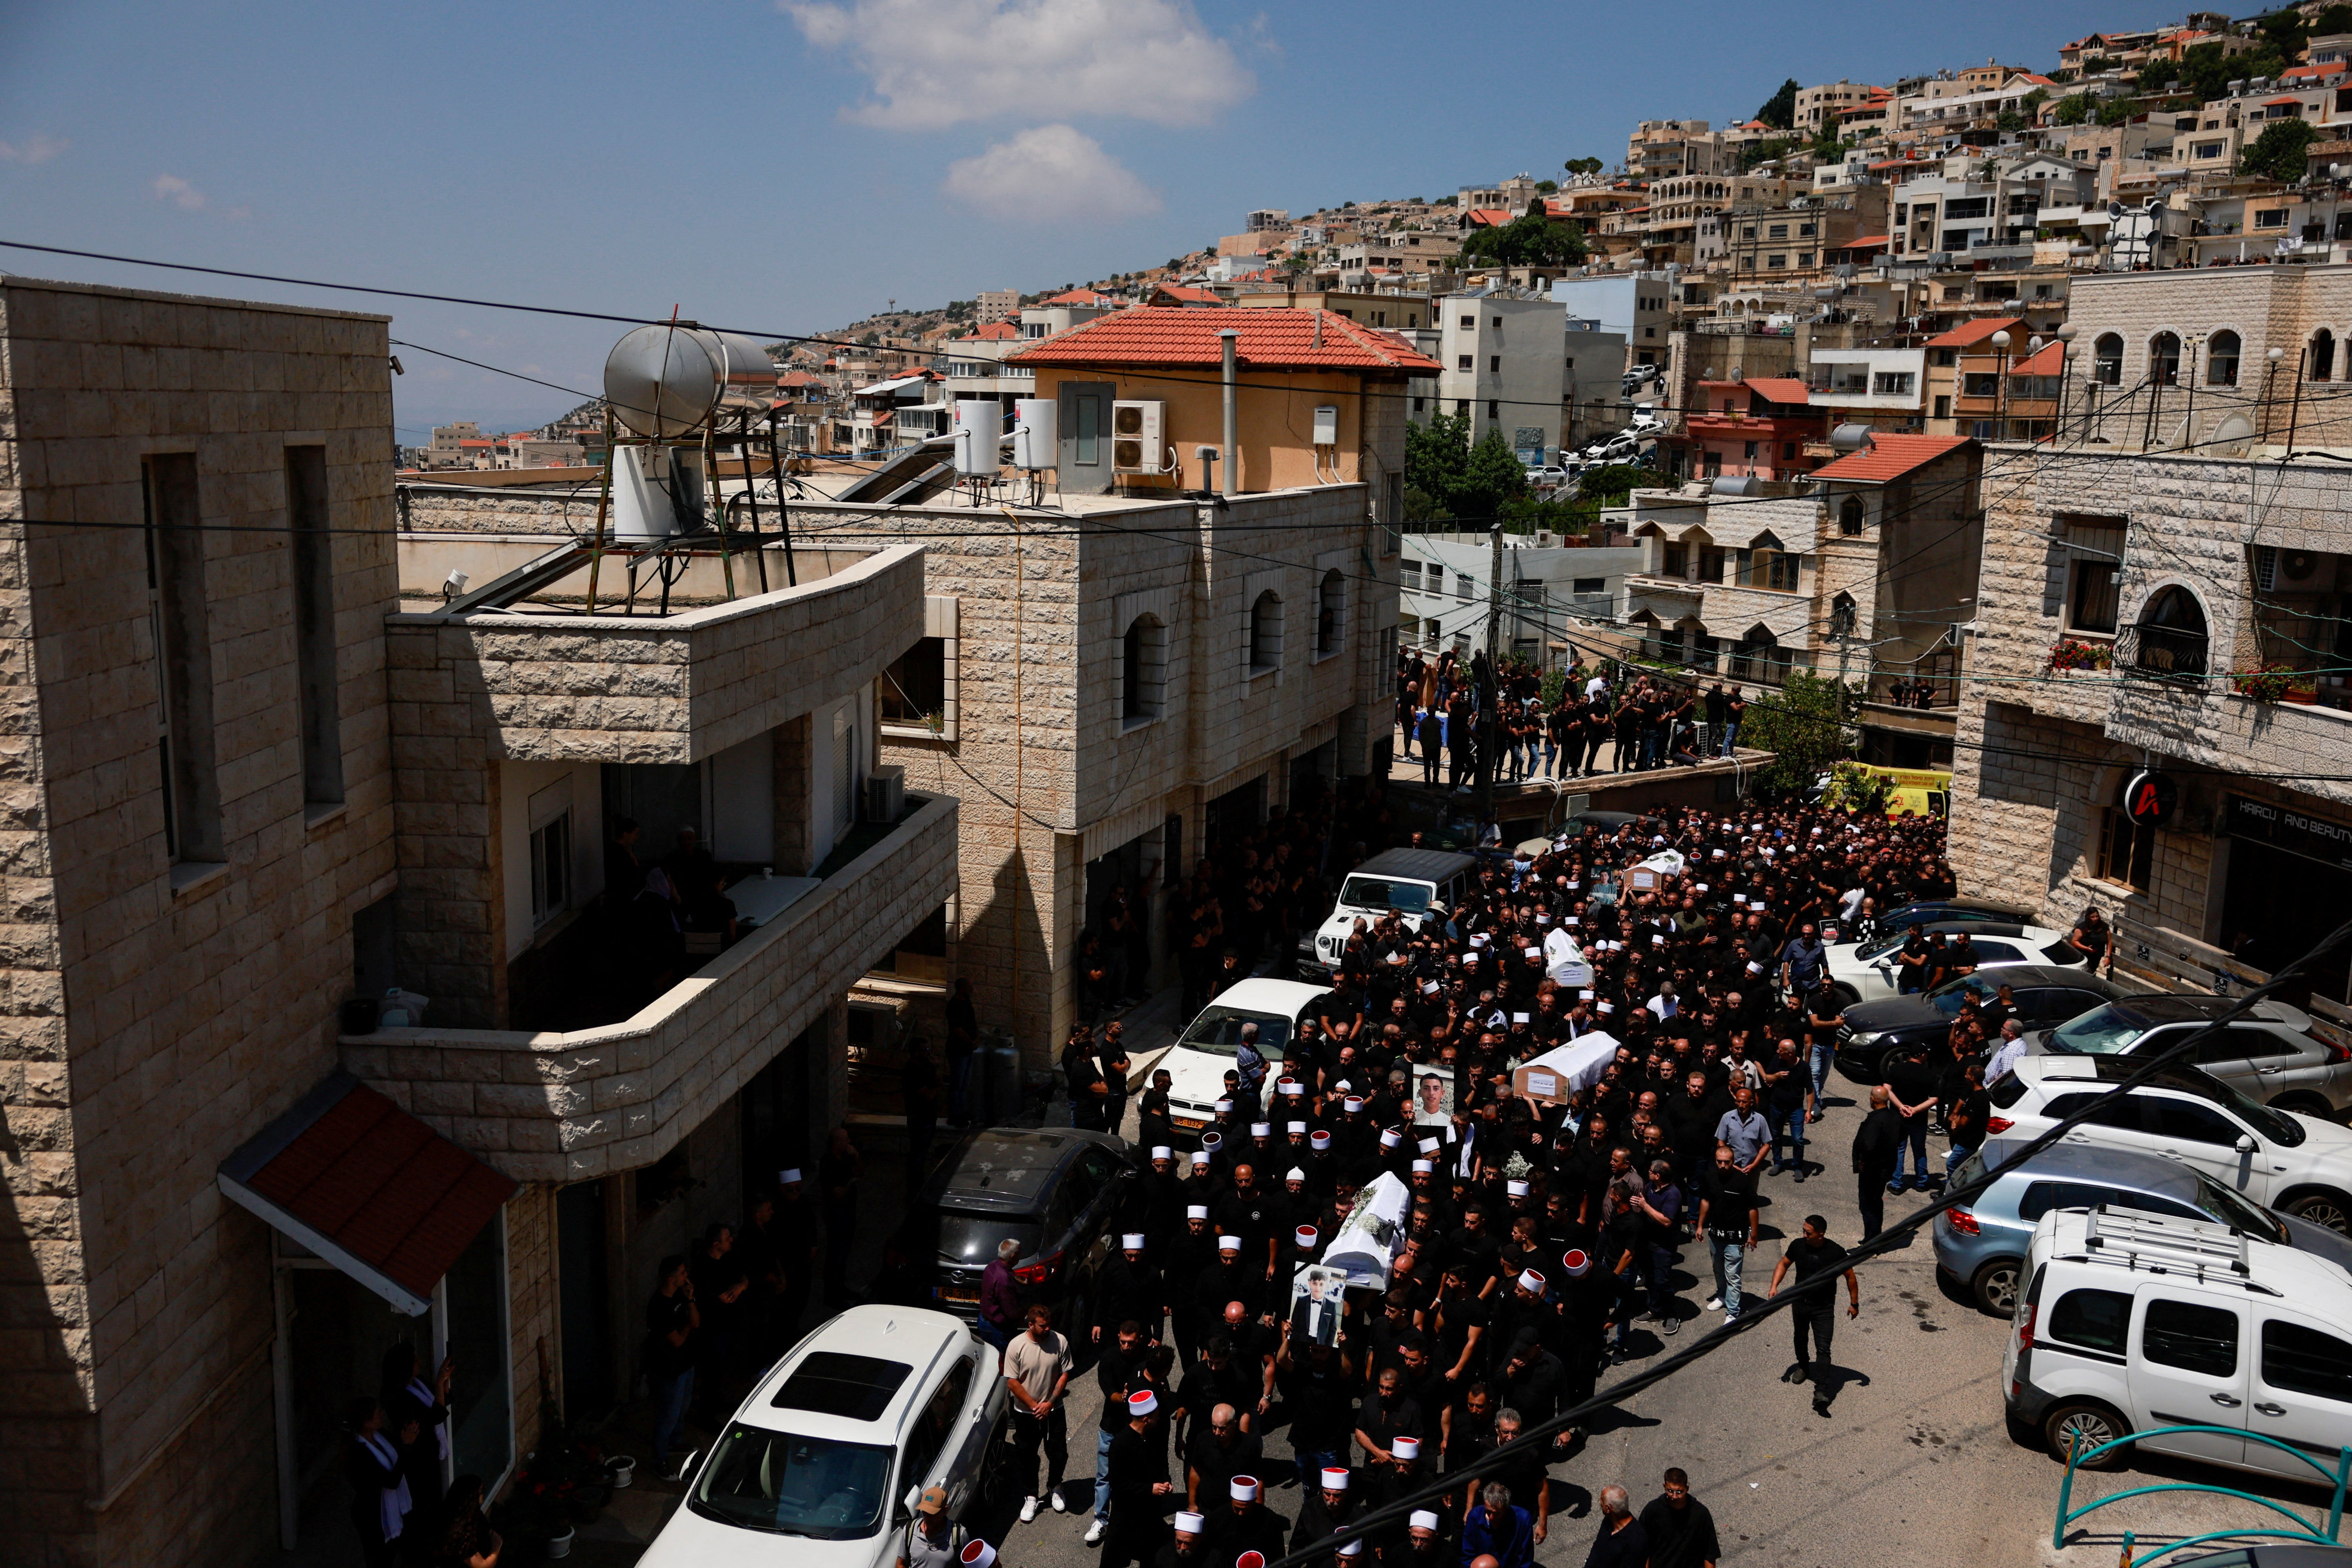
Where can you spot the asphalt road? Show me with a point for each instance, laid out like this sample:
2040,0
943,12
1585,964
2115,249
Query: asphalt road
1912,1464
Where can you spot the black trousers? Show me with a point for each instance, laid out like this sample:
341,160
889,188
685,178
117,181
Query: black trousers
1871,1201
1028,1433
1824,1325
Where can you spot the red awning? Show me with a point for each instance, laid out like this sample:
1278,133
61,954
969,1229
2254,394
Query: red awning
368,1187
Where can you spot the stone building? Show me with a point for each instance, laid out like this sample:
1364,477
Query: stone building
2126,596
257,779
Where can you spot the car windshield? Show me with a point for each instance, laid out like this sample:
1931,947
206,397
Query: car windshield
2102,1031
2230,1207
1380,892
787,1484
1219,1029
971,1241
1947,998
1876,950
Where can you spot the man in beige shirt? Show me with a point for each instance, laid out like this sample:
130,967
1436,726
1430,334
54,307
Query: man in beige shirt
1036,1373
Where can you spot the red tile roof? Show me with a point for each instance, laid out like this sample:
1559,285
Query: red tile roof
2275,102
1270,337
1779,389
2045,362
1974,332
2328,69
994,330
1079,297
1865,241
349,1168
1491,217
1891,456
1185,295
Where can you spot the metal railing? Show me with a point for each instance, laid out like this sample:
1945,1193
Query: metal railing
2167,651
2337,1477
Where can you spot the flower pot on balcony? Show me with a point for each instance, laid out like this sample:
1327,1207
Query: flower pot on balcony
2308,695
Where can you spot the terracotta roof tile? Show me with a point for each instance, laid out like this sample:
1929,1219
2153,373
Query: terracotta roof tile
993,331
1891,456
2046,362
1271,336
1974,332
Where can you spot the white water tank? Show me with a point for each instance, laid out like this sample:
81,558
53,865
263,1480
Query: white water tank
668,381
1036,427
979,431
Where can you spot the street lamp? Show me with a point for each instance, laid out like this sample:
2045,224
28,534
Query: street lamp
2000,387
2066,336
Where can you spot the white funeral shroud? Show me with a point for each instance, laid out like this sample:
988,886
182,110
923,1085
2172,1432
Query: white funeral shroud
1578,1063
1372,1237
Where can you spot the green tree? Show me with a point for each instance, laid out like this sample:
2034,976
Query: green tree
2116,110
1609,485
1804,727
2337,19
1436,460
1779,110
1547,186
1583,165
1532,239
1494,476
2073,109
1763,152
2278,153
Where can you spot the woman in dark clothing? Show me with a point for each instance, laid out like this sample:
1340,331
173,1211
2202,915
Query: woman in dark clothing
381,1500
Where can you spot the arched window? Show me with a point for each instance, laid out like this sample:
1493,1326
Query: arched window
2323,355
1850,516
1143,669
1756,655
1265,632
2221,360
2164,360
2170,635
2107,359
1841,615
1330,614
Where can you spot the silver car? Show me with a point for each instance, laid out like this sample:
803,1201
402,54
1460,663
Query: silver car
1981,1248
2273,1056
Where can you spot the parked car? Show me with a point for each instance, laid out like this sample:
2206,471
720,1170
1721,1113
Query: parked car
2275,1054
2045,994
1926,912
2297,1165
1055,1190
2135,1322
1203,1053
828,1456
1407,881
1866,971
1981,1248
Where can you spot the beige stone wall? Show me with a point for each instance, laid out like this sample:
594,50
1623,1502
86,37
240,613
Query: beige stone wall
150,1032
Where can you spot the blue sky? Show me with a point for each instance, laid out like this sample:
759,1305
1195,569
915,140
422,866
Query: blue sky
784,168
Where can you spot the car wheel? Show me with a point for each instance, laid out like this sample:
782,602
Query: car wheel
2083,1427
2327,1209
1995,1287
2305,1105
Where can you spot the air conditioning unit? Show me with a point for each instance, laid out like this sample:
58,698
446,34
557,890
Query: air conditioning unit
1139,435
886,794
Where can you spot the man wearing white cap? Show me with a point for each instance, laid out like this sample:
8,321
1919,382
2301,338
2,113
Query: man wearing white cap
1245,1523
1128,1290
1139,1485
1185,1548
1328,1503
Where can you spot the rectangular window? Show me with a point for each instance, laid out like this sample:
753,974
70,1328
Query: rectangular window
1462,588
1677,562
2091,575
1087,429
1781,572
1779,231
1967,207
1943,406
914,687
1494,361
1891,383
1980,383
183,658
2273,219
551,869
1494,408
2192,1336
314,624
1469,323
1776,262
2126,849
2203,150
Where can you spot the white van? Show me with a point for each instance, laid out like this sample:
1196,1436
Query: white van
2135,1322
1407,881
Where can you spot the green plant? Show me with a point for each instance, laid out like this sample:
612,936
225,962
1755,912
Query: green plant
2278,153
2269,684
2116,110
1583,165
1860,790
1534,239
1804,727
2077,653
1779,110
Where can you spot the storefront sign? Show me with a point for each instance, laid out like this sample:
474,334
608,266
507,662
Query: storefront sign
2284,827
2150,798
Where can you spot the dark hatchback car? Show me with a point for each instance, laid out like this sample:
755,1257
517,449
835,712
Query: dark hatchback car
2046,995
1059,1191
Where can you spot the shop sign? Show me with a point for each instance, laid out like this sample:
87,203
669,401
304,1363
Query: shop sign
2284,827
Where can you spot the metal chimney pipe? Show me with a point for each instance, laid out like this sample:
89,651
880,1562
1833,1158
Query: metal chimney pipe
1227,337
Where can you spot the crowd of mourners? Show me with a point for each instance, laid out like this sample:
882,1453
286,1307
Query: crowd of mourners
1555,728
1542,1234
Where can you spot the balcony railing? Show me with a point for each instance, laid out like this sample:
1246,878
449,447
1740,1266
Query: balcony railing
2163,651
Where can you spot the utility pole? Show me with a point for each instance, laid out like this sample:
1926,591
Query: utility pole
1490,689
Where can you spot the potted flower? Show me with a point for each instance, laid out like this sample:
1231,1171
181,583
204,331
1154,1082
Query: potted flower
2081,654
2274,682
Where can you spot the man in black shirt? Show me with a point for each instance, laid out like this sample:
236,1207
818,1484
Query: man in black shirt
1813,1256
1137,1486
1726,1217
1681,1530
671,1319
1874,1152
1243,1524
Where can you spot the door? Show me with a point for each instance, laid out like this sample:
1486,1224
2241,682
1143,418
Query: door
2302,1395
2121,1122
2187,1369
1082,456
2201,1135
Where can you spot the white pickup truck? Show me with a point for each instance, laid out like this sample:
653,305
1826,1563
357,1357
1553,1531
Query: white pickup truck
1407,881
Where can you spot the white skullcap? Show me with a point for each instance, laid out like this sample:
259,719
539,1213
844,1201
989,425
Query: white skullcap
1514,1189
1225,1105
1200,1159
1162,1152
1352,1103
1229,1243
1144,1401
1298,1126
1406,1448
1294,1174
788,1175
1188,1521
1335,1478
978,1553
1658,940
1131,1241
1421,1165
1196,1211
1391,1138
1531,951
1541,918
1702,887
1422,1519
1469,960
1478,940
1261,1129
1607,1006
1428,988
1351,1548
1575,1263
1531,1282
1584,995
1213,1140
1244,1489
1572,920
1754,967
1318,1140
1292,1086
1428,1146
1520,1017
1305,1235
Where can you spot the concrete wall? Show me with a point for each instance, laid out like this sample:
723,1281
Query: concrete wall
149,1031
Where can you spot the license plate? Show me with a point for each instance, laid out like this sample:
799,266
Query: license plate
958,1293
1191,1125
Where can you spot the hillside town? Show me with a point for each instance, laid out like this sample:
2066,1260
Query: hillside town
1318,874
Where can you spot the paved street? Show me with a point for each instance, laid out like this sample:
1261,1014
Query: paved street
1912,1466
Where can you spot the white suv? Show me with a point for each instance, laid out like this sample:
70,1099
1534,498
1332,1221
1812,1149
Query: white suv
1407,881
2138,1323
828,1455
2297,1165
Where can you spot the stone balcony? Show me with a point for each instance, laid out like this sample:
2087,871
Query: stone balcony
572,1107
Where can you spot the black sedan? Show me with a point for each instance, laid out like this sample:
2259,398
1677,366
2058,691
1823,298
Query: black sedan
1059,1191
2046,995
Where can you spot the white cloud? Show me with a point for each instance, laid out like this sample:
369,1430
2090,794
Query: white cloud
33,151
172,188
944,62
1050,173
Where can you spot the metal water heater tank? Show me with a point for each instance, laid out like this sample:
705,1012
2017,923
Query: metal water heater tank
1036,427
978,435
668,382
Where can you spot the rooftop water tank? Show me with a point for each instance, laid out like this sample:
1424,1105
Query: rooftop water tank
668,381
